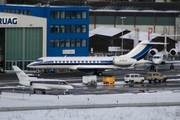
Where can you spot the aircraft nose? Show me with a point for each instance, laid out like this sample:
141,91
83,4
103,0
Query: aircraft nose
71,87
156,61
31,65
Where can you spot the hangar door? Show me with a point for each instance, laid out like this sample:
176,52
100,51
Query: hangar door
22,46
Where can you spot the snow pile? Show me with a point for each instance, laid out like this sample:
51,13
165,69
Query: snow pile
110,113
21,100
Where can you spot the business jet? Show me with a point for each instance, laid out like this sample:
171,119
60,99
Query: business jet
161,58
42,85
96,64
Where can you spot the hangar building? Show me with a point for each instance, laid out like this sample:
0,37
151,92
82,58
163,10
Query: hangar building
28,32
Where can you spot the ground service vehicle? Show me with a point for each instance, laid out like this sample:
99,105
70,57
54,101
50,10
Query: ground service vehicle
90,80
155,76
133,78
108,79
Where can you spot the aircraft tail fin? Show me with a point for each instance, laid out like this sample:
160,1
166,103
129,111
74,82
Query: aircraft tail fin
141,50
20,74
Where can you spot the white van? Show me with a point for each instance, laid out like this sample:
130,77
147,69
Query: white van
133,78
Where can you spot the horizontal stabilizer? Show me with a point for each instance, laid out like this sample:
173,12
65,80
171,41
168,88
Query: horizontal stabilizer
157,43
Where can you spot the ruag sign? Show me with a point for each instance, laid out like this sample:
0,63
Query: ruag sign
8,20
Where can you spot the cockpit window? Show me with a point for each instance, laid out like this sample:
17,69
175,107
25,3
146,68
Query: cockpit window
156,57
65,83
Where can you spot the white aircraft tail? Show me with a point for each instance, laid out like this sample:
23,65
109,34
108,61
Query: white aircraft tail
140,51
23,77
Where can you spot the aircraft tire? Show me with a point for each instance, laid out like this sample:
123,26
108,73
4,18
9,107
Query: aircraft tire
142,81
99,74
171,67
164,80
152,67
43,92
155,80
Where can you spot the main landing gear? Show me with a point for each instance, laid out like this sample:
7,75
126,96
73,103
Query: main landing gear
171,67
154,67
98,73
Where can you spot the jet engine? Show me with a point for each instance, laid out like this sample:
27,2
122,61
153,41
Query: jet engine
123,61
152,52
173,52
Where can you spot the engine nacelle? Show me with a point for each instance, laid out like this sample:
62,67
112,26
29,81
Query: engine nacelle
152,52
124,61
173,52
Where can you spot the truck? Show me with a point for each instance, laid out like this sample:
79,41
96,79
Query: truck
90,80
155,76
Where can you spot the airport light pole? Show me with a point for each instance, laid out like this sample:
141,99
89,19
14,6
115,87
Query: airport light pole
122,18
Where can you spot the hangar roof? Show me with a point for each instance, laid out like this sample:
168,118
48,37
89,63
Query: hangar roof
121,6
110,32
142,35
105,31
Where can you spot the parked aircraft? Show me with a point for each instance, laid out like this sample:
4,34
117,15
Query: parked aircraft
40,84
161,58
96,64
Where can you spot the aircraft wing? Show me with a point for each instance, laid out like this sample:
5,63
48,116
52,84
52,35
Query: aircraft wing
172,62
166,62
94,67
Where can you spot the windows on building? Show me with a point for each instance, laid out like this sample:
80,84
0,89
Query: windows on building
68,14
24,12
73,43
62,43
83,42
68,28
58,14
57,43
78,43
68,43
62,29
52,42
57,29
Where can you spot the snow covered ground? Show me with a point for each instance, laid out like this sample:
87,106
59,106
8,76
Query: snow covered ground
170,109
